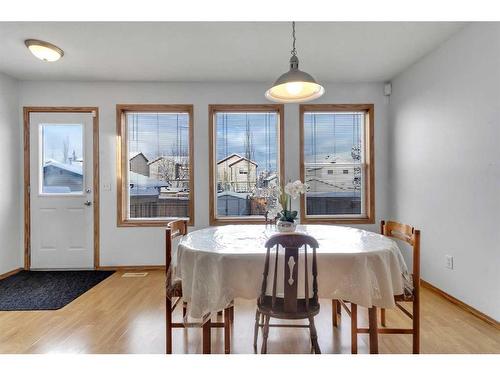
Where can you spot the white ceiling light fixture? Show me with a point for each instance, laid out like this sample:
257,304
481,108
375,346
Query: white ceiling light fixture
294,86
43,50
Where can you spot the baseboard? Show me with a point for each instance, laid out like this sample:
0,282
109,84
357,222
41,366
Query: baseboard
463,305
130,268
10,273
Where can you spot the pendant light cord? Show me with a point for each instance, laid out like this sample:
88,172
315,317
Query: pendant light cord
294,51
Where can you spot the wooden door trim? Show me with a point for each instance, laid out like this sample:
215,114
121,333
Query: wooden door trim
95,151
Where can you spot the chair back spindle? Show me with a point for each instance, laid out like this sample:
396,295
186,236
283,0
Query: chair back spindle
275,278
306,278
315,276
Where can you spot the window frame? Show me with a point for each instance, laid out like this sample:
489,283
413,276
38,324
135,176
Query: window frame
122,162
369,189
213,109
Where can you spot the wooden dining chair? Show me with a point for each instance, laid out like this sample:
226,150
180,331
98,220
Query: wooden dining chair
178,228
288,306
411,236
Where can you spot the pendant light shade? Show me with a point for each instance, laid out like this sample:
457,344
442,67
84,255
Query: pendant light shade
294,86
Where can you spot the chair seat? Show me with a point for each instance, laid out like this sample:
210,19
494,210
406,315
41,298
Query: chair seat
279,310
174,289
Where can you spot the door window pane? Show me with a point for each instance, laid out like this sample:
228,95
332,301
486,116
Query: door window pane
62,158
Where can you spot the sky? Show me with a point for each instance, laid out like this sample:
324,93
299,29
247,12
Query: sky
231,137
56,135
328,134
158,134
325,134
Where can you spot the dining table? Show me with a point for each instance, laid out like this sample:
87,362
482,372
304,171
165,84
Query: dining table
220,264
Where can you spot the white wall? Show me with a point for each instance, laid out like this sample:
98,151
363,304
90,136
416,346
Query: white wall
144,246
10,189
445,163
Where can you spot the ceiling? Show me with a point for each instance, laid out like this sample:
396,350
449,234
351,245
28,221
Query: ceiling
219,51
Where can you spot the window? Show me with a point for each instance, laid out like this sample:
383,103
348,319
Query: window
62,159
155,166
337,163
246,154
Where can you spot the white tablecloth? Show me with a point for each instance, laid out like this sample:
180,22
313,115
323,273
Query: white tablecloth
219,264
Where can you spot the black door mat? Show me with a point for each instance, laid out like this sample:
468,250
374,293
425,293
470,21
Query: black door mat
46,290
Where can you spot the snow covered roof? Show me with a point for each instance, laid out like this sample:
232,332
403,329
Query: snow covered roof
144,181
229,157
270,178
243,159
233,194
135,154
141,191
73,168
240,159
175,159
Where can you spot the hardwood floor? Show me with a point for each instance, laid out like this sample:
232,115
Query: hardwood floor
126,315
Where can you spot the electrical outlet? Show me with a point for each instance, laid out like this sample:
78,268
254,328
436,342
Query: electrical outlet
106,187
449,262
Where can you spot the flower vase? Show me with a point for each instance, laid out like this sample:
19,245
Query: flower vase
286,226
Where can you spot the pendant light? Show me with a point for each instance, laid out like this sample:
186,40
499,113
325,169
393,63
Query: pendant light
294,86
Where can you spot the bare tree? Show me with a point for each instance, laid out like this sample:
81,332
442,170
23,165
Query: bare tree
65,149
249,149
178,150
165,170
249,152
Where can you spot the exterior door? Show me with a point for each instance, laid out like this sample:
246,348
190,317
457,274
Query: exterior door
61,195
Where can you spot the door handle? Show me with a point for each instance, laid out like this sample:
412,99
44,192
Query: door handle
88,203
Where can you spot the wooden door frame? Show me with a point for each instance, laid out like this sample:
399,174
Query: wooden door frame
95,151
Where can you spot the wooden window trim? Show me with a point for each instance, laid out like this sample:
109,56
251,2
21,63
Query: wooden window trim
370,162
122,162
212,110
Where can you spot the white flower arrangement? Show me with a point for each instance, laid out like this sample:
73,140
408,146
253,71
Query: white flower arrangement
280,207
294,189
